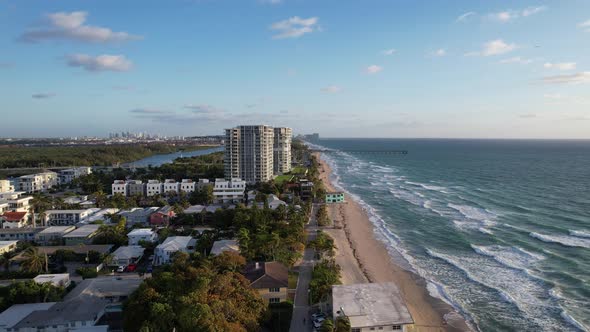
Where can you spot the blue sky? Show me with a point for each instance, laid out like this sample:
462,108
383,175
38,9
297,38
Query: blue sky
370,68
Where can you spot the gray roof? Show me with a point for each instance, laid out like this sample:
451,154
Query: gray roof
127,252
372,304
21,230
220,246
17,312
83,231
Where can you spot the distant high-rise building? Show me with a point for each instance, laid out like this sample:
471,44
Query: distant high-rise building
249,153
282,150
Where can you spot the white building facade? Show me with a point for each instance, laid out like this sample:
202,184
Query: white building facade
249,153
163,253
282,150
229,191
37,182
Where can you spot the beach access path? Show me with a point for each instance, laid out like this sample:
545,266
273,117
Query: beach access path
301,320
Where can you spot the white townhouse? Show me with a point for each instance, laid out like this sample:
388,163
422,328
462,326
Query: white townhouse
170,185
229,191
164,252
119,187
154,187
126,255
141,234
187,185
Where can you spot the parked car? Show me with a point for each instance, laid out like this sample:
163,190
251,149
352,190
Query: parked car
121,268
131,267
317,323
318,315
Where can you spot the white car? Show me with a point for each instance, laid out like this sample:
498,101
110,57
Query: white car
317,323
121,268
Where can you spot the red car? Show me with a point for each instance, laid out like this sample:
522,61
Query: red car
131,267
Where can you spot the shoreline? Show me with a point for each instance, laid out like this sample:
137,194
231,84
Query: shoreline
364,258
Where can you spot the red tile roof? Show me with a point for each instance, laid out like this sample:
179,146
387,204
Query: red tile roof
13,216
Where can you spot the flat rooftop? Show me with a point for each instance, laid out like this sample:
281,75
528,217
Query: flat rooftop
371,304
84,231
14,314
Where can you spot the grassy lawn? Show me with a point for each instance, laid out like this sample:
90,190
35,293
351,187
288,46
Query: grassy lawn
299,170
293,280
283,178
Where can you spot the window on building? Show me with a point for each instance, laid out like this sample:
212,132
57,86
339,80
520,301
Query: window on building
355,330
274,300
396,327
274,290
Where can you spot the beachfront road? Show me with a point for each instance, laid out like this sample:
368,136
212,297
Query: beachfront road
301,320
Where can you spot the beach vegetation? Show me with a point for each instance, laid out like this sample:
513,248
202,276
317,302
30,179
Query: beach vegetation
322,217
325,274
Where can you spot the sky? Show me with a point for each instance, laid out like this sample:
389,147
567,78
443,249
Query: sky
343,68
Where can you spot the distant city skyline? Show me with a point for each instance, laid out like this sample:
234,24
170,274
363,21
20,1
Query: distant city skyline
464,69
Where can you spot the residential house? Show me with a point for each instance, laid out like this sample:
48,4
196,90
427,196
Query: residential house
13,219
142,234
7,246
335,197
270,279
53,234
305,189
162,216
66,217
126,255
194,209
154,187
93,302
138,216
101,215
17,202
58,280
81,235
164,252
371,307
229,191
220,246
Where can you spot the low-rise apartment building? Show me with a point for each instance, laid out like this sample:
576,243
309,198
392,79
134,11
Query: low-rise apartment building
187,185
119,187
7,246
371,307
171,185
53,234
66,176
6,186
81,235
20,234
229,191
66,217
335,197
39,182
126,255
154,187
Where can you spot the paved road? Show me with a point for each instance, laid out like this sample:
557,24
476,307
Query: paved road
301,307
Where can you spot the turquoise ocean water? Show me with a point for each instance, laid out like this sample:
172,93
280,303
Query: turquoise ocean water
500,229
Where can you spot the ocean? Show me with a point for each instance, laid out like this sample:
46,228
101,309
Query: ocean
500,229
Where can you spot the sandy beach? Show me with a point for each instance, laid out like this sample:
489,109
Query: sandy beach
364,258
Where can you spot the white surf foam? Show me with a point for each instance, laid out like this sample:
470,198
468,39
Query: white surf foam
566,316
580,233
513,257
568,241
473,212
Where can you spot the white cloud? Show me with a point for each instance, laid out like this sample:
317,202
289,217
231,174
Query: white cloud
533,10
373,69
509,15
331,89
585,25
560,65
439,52
390,51
465,16
149,111
70,26
43,95
496,47
581,77
294,27
103,62
518,60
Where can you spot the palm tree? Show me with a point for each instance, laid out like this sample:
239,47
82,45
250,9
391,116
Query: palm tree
5,260
34,261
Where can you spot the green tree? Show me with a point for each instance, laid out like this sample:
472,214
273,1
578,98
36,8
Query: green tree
327,326
34,261
342,324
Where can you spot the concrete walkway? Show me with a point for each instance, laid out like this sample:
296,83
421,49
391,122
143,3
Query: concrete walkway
301,306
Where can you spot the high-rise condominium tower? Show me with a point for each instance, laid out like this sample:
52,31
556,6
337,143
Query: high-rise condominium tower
282,150
249,153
